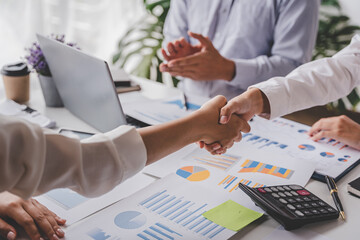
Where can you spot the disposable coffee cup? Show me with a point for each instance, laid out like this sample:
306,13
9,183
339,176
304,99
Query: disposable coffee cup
16,81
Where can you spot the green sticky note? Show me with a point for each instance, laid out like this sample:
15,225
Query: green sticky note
232,215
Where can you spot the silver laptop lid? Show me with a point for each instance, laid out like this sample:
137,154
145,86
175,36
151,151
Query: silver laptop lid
84,84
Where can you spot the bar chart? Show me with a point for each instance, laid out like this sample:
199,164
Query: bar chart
222,162
65,198
231,183
262,142
177,209
158,231
259,167
99,234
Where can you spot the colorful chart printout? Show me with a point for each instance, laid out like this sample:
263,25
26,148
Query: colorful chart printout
231,183
254,166
327,154
193,173
223,162
306,147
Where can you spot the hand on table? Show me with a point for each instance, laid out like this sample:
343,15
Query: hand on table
222,135
204,64
31,215
340,128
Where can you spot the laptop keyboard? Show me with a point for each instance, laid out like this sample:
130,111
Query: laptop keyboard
134,122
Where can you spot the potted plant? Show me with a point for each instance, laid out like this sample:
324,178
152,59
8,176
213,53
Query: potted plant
37,60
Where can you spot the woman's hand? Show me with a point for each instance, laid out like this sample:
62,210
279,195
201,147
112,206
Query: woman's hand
340,128
35,218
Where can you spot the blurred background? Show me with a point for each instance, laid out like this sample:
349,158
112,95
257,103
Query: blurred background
128,33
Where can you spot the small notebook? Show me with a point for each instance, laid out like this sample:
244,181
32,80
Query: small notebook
354,187
11,108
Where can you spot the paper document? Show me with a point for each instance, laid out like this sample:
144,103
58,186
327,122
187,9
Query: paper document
155,112
232,215
170,208
280,143
73,207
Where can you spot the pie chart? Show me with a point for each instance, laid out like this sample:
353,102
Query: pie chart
193,173
302,131
306,147
327,154
130,220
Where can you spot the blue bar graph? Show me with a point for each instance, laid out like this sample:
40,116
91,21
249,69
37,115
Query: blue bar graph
168,207
180,211
160,232
204,226
192,219
210,229
197,223
162,204
191,213
143,237
167,229
178,214
216,232
177,208
151,197
156,201
152,234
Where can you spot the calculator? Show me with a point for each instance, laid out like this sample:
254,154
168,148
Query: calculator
291,205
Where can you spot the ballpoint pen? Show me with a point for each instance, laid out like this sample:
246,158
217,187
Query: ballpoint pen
184,99
334,193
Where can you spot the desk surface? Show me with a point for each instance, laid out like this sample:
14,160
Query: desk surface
332,230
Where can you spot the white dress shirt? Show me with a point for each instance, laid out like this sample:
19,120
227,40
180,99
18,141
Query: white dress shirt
33,160
265,38
315,83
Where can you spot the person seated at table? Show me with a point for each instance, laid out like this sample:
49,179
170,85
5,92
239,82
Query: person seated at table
248,42
34,161
314,83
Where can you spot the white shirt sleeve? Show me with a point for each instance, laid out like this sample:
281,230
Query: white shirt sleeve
315,83
34,161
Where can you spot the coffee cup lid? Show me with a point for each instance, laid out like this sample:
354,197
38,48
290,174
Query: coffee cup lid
15,69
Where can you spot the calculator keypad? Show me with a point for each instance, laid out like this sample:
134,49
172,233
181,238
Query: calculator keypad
297,200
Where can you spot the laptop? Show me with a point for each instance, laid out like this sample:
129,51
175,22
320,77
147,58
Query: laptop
85,85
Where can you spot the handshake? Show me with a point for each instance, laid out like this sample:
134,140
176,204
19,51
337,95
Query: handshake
218,123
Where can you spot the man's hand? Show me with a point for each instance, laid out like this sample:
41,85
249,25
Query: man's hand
244,106
178,49
213,132
340,128
31,215
206,64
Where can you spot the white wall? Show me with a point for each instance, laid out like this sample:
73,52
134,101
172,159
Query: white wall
352,9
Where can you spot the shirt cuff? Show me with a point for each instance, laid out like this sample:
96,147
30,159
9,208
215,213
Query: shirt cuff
131,149
244,72
277,96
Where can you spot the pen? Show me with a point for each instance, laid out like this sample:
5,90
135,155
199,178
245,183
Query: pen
185,101
334,193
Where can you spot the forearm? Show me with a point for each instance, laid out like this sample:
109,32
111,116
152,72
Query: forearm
34,162
164,139
315,83
251,71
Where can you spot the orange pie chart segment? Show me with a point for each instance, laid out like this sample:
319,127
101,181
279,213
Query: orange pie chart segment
193,173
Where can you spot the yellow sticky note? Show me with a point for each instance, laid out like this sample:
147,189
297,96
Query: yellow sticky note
232,215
